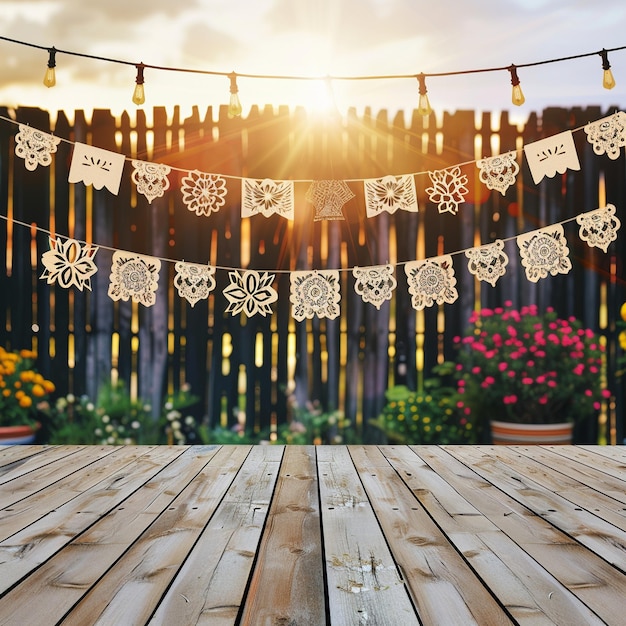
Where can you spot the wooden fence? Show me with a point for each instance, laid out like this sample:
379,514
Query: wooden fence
253,363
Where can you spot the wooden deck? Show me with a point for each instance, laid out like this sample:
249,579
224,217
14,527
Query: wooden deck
285,536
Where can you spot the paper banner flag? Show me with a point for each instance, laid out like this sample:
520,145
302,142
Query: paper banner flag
35,147
544,252
599,228
449,189
267,197
553,154
390,193
250,292
203,194
315,293
97,167
68,263
194,282
374,284
134,276
488,262
431,281
499,172
328,198
151,179
607,135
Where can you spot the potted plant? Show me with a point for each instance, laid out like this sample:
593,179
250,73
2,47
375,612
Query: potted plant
23,395
522,367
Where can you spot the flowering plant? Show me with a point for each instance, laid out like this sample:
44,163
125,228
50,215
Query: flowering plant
529,367
23,389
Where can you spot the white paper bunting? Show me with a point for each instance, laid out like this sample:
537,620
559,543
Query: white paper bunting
69,263
449,189
315,293
267,197
599,228
134,276
608,135
203,194
97,167
374,284
553,154
499,172
35,147
194,282
431,281
488,262
151,179
328,198
544,252
390,193
250,292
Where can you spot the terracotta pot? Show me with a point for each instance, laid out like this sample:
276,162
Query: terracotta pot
511,433
17,435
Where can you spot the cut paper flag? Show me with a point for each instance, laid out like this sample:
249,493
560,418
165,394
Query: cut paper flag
553,154
544,252
431,281
607,136
134,277
499,172
328,198
97,167
315,293
250,292
449,189
203,194
35,147
68,263
151,179
390,193
488,262
193,281
599,228
267,197
374,284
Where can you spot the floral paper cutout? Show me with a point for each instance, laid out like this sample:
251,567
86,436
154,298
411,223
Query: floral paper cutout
449,189
544,252
390,193
553,154
203,194
69,263
35,147
134,276
431,281
151,179
608,135
250,293
97,167
193,281
499,172
374,284
488,262
315,293
328,198
267,197
599,227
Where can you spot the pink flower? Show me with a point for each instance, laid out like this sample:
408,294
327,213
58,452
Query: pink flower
543,399
579,369
502,366
596,406
510,399
588,393
527,380
540,379
552,383
606,393
475,369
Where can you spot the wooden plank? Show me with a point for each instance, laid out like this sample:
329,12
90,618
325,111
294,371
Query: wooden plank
209,587
24,463
464,506
608,459
444,588
364,584
11,454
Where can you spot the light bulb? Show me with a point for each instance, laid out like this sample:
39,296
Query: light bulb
139,95
517,96
234,104
423,104
50,78
608,82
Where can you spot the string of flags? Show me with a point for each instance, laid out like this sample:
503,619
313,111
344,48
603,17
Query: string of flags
204,193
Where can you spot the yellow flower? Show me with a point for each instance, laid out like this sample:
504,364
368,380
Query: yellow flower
38,391
622,311
622,339
48,385
27,376
25,402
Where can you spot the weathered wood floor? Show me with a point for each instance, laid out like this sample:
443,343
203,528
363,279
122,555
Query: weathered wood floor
308,536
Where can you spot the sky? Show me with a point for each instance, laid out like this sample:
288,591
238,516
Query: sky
313,38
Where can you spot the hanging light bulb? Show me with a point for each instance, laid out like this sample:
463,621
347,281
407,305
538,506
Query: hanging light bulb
517,97
50,79
423,105
234,105
608,82
139,95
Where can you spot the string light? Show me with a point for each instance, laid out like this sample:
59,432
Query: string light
50,79
139,95
517,97
423,105
234,105
608,82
